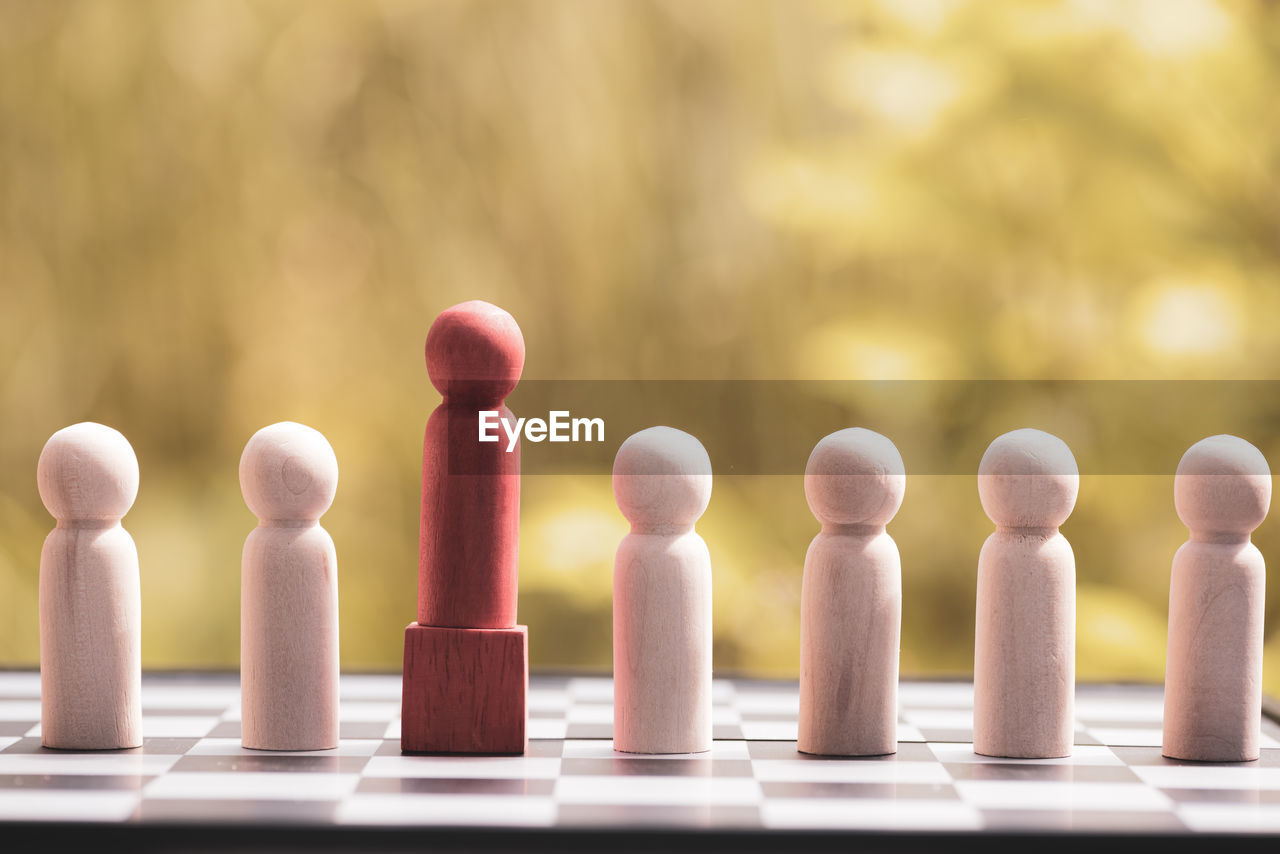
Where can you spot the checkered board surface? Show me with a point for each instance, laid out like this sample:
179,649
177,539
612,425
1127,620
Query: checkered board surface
191,769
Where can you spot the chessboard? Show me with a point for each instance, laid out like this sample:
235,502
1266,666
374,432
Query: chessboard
193,780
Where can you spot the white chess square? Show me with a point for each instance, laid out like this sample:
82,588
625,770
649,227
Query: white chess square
868,814
1128,736
665,791
591,689
187,695
603,749
370,686
770,730
258,785
77,806
543,728
848,771
19,710
173,726
110,762
780,703
465,767
921,695
725,716
941,718
1231,818
232,747
481,810
363,711
590,713
542,700
723,691
1081,754
18,683
1055,795
1209,776
1138,710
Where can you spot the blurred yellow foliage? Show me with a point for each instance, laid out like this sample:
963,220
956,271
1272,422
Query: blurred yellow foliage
217,214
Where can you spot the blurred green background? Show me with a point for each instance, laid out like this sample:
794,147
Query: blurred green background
215,215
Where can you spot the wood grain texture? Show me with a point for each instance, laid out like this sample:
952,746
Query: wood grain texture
469,535
465,690
851,598
1213,673
662,596
1024,644
90,594
289,593
465,659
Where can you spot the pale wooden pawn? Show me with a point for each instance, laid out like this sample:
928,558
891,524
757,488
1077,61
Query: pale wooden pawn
1024,650
851,598
90,595
662,596
1213,676
289,593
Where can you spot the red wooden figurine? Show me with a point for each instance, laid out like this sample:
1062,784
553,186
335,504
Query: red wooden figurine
466,662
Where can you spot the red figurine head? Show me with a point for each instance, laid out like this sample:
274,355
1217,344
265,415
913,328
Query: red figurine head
475,351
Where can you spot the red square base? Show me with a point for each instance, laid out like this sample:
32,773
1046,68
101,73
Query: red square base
465,690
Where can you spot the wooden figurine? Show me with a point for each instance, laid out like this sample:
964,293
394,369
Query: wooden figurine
90,595
466,662
1024,659
662,596
1213,677
289,593
851,599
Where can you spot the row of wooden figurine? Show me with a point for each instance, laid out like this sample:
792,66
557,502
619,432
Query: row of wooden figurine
90,598
1024,655
662,610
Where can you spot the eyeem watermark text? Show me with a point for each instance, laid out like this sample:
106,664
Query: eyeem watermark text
559,426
